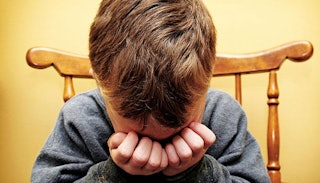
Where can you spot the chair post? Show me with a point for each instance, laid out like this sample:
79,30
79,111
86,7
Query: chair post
238,88
68,90
273,135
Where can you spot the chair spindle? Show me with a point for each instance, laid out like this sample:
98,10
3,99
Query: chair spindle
238,88
273,129
68,91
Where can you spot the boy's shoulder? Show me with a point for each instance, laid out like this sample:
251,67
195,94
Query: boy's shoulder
87,110
220,103
217,96
91,99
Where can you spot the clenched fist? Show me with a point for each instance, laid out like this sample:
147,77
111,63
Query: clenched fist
145,156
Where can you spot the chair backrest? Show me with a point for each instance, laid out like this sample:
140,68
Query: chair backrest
76,66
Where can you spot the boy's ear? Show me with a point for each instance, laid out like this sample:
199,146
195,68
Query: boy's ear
91,72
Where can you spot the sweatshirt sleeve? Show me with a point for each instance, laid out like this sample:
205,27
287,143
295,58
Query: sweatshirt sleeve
236,155
238,167
77,143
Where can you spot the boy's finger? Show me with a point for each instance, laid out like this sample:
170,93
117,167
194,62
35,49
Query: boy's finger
204,132
173,158
141,152
164,159
154,160
115,140
182,148
195,142
126,148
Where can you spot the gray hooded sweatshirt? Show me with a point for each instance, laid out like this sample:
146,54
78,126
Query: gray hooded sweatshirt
77,151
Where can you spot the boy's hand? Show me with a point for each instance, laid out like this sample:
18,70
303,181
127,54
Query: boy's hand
145,156
137,156
188,148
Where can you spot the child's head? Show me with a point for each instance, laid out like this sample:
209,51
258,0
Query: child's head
153,57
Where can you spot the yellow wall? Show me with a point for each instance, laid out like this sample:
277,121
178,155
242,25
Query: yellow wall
30,99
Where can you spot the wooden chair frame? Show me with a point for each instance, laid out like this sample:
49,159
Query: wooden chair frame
76,66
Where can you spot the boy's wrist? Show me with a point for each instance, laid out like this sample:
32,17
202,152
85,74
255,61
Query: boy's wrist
110,172
187,175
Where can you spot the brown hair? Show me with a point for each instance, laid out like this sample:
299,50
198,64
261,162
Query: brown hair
152,57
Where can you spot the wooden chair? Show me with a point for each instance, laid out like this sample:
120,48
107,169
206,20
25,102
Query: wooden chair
75,66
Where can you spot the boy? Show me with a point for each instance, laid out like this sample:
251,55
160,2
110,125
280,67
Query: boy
153,118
